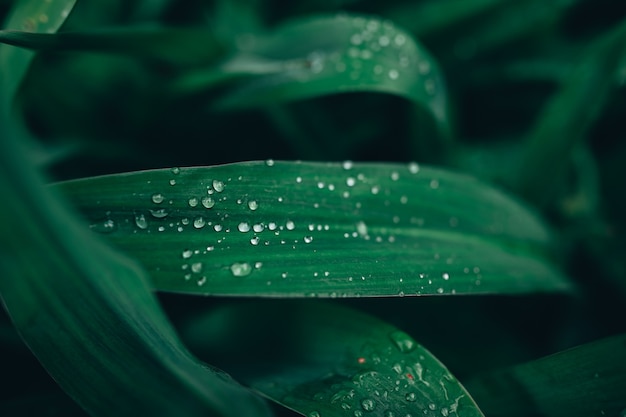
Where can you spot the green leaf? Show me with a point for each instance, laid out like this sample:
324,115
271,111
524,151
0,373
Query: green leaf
85,311
177,46
327,55
31,16
311,229
89,315
568,116
326,360
589,380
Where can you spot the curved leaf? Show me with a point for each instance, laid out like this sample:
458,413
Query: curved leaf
589,380
326,360
85,311
31,16
326,55
310,229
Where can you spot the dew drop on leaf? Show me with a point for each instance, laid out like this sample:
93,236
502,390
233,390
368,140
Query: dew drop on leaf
241,269
368,404
218,186
141,222
157,198
243,227
253,205
159,213
207,202
403,341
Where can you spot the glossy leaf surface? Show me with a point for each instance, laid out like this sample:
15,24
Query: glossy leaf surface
309,229
324,360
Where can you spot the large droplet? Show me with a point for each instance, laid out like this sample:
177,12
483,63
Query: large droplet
403,341
159,213
208,202
243,227
141,222
368,404
253,205
218,186
157,198
241,269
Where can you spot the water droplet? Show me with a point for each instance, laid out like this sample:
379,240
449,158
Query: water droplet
218,186
347,165
207,202
187,253
432,406
193,201
172,182
361,228
243,227
269,162
290,225
357,413
141,222
157,198
445,276
368,404
308,239
159,214
393,74
241,269
217,227
414,168
439,290
375,189
175,170
350,182
314,414
410,397
400,39
403,341
199,222
434,184
106,226
299,180
272,226
258,265
356,39
384,41
196,267
444,412
378,69
253,205
255,240
395,176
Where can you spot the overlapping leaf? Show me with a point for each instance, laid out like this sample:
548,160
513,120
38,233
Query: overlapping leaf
584,381
309,229
325,360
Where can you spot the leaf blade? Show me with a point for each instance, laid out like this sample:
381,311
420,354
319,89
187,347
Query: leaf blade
328,360
298,229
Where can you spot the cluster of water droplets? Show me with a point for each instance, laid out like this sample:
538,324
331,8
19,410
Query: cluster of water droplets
227,222
391,381
375,50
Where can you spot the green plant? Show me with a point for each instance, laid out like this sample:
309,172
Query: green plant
511,92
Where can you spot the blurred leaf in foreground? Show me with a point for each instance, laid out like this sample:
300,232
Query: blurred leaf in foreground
325,360
328,230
